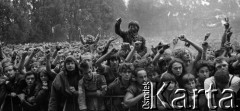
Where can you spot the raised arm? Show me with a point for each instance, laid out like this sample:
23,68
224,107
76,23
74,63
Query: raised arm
48,66
118,30
160,52
58,48
107,46
81,37
97,38
21,65
105,56
131,53
204,53
2,55
35,51
198,48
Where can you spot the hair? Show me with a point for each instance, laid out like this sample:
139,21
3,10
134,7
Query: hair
179,53
30,73
84,65
174,61
71,59
137,70
7,64
135,23
203,63
162,63
125,66
168,77
187,78
35,63
113,57
219,60
44,71
218,53
143,42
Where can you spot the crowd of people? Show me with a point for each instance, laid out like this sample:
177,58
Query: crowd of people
93,76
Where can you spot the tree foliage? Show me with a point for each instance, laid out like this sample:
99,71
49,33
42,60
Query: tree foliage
53,20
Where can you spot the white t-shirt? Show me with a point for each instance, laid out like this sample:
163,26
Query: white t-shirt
234,83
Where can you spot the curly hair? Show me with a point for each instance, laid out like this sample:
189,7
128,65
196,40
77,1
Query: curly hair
125,67
179,53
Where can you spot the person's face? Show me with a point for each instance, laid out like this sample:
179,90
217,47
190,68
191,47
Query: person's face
30,80
30,51
88,59
177,69
87,73
187,56
9,71
153,76
167,53
203,72
190,85
222,65
89,39
126,75
114,63
141,76
138,44
171,85
34,68
133,28
70,66
43,77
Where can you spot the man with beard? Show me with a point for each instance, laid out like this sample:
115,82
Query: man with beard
131,35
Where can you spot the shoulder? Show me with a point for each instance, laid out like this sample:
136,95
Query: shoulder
57,81
209,80
132,89
235,79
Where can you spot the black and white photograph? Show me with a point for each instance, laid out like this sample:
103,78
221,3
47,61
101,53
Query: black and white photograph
119,55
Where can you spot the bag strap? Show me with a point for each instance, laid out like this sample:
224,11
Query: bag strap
230,82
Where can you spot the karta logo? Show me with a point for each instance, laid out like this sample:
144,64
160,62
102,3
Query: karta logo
149,102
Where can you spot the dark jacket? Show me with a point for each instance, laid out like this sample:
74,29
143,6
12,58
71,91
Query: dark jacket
61,99
15,86
126,35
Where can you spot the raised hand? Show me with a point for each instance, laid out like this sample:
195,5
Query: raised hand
72,89
119,20
36,50
187,44
48,55
24,54
205,45
113,51
182,38
207,36
227,46
226,24
175,41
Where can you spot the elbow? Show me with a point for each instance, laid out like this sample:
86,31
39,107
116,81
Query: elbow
127,103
